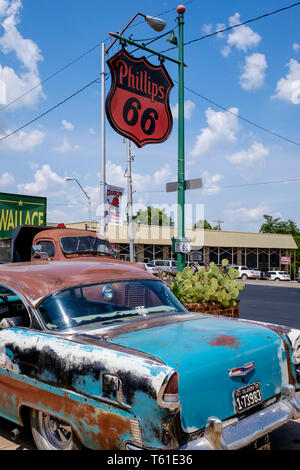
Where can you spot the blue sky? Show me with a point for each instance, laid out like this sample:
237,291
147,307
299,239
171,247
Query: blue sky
253,71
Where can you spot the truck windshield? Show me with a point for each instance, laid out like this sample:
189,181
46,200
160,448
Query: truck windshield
105,304
86,244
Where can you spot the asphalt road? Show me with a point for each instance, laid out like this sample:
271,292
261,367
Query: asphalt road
272,304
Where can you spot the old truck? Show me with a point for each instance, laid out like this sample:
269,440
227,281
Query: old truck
30,243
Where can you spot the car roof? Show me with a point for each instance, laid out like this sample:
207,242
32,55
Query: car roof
38,279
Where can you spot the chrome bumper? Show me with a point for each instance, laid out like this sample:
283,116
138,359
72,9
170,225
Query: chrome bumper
242,433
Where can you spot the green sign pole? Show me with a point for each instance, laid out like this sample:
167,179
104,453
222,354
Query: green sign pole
181,165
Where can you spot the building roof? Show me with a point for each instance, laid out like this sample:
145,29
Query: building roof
154,235
39,279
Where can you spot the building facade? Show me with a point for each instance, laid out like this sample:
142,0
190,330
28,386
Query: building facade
263,251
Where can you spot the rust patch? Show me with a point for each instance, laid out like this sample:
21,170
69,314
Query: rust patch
110,426
226,340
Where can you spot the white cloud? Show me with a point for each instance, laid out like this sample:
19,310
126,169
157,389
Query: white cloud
6,179
254,155
189,106
163,175
253,75
243,37
23,141
45,182
66,147
211,185
12,83
296,47
207,28
68,126
222,128
245,214
288,88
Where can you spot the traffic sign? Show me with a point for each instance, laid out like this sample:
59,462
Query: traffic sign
189,184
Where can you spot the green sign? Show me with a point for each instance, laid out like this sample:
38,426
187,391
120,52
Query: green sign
16,209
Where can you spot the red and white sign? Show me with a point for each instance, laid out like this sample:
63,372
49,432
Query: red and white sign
285,260
137,105
113,201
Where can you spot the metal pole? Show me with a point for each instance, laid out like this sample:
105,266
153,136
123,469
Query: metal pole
102,227
181,165
90,214
129,205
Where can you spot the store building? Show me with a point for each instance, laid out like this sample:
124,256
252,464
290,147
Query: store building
263,251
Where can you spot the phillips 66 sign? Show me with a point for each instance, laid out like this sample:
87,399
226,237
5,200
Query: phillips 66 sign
137,105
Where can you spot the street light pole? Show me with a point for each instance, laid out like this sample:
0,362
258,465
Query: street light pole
181,164
102,225
88,197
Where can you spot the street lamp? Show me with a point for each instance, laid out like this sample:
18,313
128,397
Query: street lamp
181,163
158,25
88,197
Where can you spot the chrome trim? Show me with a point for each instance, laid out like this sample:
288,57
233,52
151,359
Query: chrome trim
136,431
241,371
249,429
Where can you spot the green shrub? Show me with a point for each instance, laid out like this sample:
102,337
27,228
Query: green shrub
216,285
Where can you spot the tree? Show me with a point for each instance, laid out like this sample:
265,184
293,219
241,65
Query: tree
153,216
286,227
272,225
203,224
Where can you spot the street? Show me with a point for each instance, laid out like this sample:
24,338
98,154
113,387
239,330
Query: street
268,303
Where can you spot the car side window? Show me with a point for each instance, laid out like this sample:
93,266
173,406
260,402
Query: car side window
13,312
47,247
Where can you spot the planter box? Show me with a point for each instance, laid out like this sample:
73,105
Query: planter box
215,309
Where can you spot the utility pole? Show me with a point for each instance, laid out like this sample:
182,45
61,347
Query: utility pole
219,222
129,201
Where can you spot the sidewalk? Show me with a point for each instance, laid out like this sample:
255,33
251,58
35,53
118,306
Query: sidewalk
263,282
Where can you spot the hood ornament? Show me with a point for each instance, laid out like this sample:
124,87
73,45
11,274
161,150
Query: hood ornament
241,371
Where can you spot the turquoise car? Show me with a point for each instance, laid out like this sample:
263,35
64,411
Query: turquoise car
103,356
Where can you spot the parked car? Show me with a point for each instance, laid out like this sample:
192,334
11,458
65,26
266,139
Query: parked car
195,265
167,266
247,273
298,279
102,355
150,267
278,276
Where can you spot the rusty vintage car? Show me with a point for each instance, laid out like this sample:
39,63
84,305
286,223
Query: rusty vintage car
103,356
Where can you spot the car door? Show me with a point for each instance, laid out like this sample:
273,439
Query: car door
16,360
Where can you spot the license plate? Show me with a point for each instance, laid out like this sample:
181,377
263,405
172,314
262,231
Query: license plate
247,397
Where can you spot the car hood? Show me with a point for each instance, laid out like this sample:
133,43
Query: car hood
203,349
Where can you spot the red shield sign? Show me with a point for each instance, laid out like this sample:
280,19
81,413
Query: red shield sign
137,105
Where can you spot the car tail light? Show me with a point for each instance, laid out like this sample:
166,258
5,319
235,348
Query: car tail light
169,397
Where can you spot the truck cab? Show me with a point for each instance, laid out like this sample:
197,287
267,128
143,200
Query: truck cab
31,243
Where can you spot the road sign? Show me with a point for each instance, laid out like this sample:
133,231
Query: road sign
182,245
285,260
137,105
189,184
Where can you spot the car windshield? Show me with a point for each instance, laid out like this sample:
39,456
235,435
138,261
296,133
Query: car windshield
86,244
105,304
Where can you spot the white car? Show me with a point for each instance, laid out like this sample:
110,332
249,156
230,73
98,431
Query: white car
247,273
278,276
167,266
150,268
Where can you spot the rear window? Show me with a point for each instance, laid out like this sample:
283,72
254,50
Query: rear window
86,244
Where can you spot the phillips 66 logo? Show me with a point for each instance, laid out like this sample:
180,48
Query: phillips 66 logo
137,105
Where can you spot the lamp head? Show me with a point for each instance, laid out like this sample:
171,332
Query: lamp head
172,39
156,23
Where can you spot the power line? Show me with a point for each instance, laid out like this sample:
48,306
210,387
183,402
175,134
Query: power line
49,110
242,117
220,31
292,180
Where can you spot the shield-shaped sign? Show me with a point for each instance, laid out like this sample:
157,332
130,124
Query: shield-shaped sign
137,105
